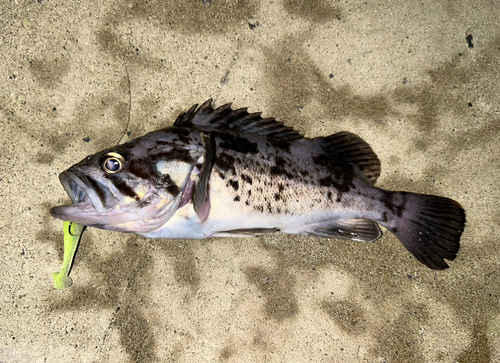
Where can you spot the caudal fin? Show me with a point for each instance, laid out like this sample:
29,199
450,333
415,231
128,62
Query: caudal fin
430,228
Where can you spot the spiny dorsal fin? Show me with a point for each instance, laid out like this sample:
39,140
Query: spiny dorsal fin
351,148
205,118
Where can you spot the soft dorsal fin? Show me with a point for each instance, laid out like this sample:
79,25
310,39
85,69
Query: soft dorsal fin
351,148
205,118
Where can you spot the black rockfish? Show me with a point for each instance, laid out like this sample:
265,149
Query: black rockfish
233,173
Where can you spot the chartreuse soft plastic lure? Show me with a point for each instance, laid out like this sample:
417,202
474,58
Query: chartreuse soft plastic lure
72,235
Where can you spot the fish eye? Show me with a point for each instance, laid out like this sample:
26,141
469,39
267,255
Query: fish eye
112,162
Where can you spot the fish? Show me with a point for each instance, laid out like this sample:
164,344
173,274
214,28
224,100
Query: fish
219,172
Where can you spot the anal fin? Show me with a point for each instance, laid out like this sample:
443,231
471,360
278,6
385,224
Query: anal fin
363,230
245,232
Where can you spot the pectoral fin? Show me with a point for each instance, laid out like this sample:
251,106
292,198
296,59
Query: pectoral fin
363,230
201,195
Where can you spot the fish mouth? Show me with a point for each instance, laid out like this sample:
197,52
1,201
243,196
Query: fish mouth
87,194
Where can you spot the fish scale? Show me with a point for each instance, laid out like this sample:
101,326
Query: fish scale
260,181
229,173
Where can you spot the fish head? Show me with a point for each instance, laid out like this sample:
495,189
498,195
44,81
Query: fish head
134,187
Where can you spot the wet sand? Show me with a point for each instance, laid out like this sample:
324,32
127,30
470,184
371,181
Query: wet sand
418,82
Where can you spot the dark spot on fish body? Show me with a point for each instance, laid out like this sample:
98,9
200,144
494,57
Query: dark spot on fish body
326,182
322,160
141,168
237,143
246,178
394,206
234,184
237,198
222,176
280,188
238,160
225,162
329,196
249,192
337,167
280,161
176,154
277,197
280,170
342,185
181,133
169,185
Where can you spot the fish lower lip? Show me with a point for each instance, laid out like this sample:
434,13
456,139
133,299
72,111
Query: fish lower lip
83,189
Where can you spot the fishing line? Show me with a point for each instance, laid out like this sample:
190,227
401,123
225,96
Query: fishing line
129,99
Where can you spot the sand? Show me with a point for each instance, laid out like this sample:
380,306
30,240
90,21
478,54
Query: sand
417,80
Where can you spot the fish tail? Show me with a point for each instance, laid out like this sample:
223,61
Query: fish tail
428,226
